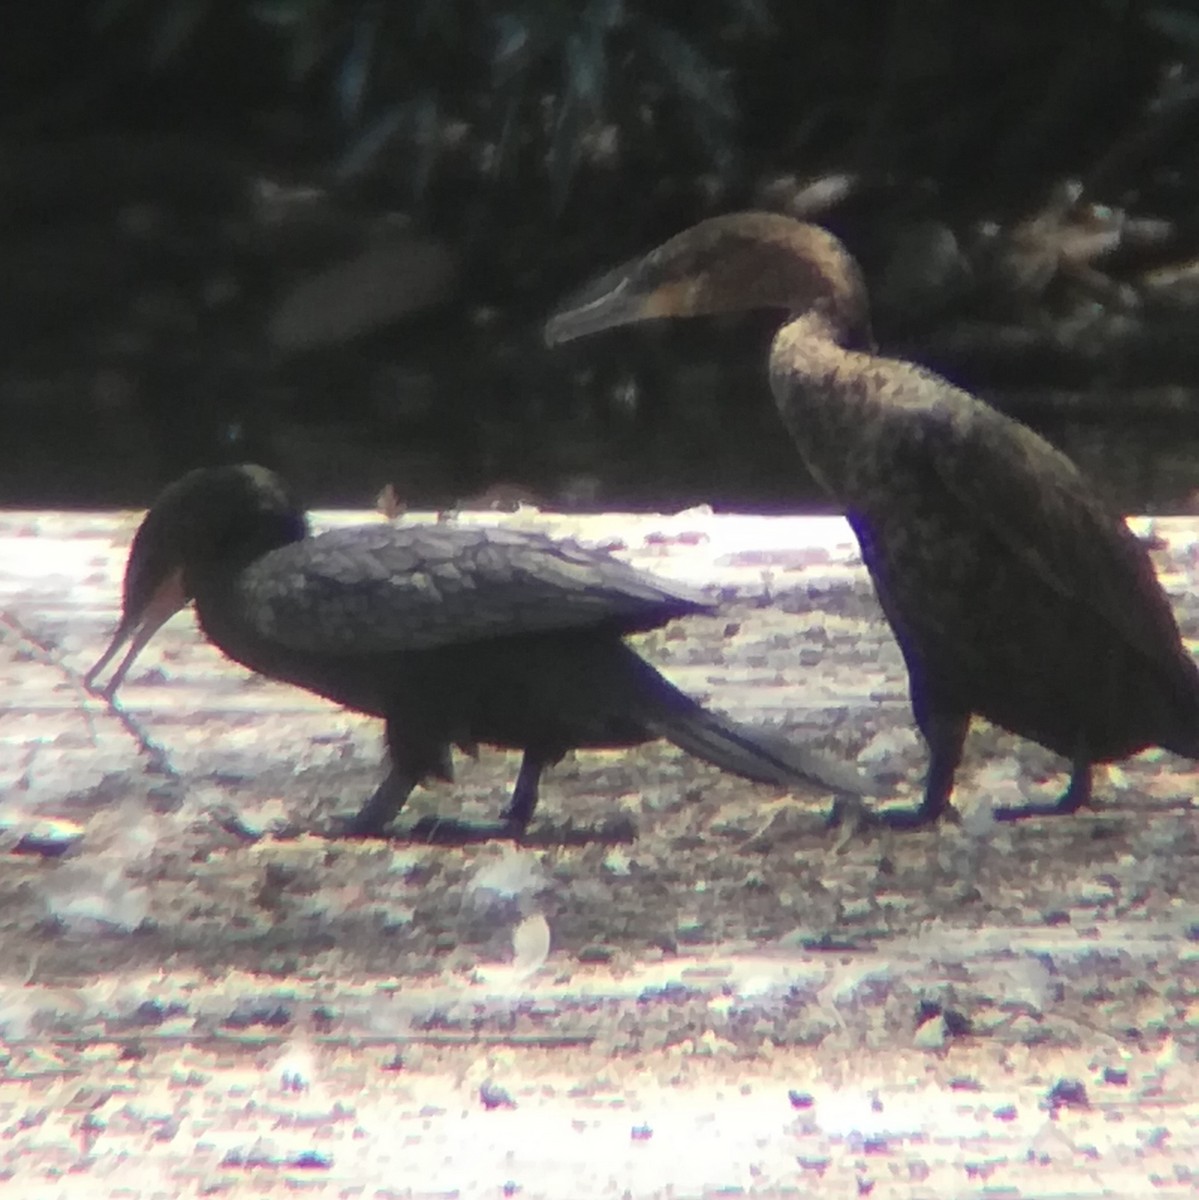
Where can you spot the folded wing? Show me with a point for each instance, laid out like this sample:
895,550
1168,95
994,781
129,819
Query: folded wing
1048,517
385,589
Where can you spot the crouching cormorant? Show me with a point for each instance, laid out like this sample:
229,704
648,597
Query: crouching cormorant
1013,590
453,635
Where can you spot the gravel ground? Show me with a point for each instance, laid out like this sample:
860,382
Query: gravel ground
685,987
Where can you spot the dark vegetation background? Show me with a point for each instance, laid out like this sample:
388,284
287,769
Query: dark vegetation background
323,234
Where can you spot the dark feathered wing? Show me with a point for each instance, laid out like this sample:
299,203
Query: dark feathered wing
1049,517
382,589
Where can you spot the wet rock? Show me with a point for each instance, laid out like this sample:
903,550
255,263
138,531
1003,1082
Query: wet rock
1027,1030
248,1013
595,953
954,1023
49,838
262,1155
1097,894
1067,1093
149,1014
493,1096
293,1076
169,1127
932,1035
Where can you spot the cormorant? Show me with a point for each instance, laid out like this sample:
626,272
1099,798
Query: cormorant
1013,590
453,635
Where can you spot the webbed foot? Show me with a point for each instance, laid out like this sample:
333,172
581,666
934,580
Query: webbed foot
449,831
1077,796
852,817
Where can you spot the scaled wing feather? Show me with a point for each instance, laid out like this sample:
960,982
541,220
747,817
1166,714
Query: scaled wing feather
1051,521
386,589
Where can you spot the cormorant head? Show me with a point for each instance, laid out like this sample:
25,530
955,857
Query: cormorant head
727,264
213,517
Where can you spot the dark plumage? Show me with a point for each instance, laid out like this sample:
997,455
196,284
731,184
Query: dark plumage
1013,590
452,635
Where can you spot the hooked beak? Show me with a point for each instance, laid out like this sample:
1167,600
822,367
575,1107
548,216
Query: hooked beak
166,601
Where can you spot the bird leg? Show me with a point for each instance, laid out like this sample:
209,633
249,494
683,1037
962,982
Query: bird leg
409,763
1078,794
519,811
945,734
514,819
377,813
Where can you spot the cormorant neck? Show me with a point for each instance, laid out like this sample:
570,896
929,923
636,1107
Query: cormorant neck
277,529
242,543
807,272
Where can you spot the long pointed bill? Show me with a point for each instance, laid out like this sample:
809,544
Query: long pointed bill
609,301
164,604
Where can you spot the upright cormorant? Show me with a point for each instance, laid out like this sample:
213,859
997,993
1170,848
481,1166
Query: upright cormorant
453,635
1013,590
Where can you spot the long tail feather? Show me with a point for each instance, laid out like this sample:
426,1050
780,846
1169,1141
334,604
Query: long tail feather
761,755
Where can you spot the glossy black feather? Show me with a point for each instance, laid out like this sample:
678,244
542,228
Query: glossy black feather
453,635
